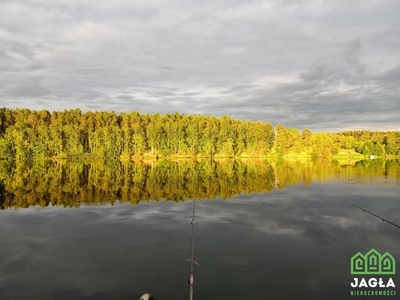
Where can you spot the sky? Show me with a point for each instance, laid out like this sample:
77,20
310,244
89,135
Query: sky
322,65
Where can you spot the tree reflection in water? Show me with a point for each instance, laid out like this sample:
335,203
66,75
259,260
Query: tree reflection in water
67,183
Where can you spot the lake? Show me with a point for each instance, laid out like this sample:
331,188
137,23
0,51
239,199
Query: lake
263,230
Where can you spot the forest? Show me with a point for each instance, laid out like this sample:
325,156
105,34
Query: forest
102,135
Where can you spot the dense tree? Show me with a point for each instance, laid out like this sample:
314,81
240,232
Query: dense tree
365,142
27,134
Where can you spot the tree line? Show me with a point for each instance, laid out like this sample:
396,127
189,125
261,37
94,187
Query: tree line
26,134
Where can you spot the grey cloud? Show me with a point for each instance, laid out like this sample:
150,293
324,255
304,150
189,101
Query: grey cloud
351,53
125,97
291,63
316,72
389,76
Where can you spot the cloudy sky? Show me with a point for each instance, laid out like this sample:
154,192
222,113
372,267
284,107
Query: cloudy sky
324,65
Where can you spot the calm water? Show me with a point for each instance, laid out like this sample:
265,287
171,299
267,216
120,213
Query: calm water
292,242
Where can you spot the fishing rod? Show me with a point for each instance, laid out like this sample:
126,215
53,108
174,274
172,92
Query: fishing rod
192,262
148,296
371,213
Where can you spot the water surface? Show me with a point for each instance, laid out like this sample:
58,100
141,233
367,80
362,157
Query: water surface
288,239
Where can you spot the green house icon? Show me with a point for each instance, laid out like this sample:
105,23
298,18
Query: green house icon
373,259
358,264
388,264
372,263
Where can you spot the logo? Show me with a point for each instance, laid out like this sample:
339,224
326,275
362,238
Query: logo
373,263
370,264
